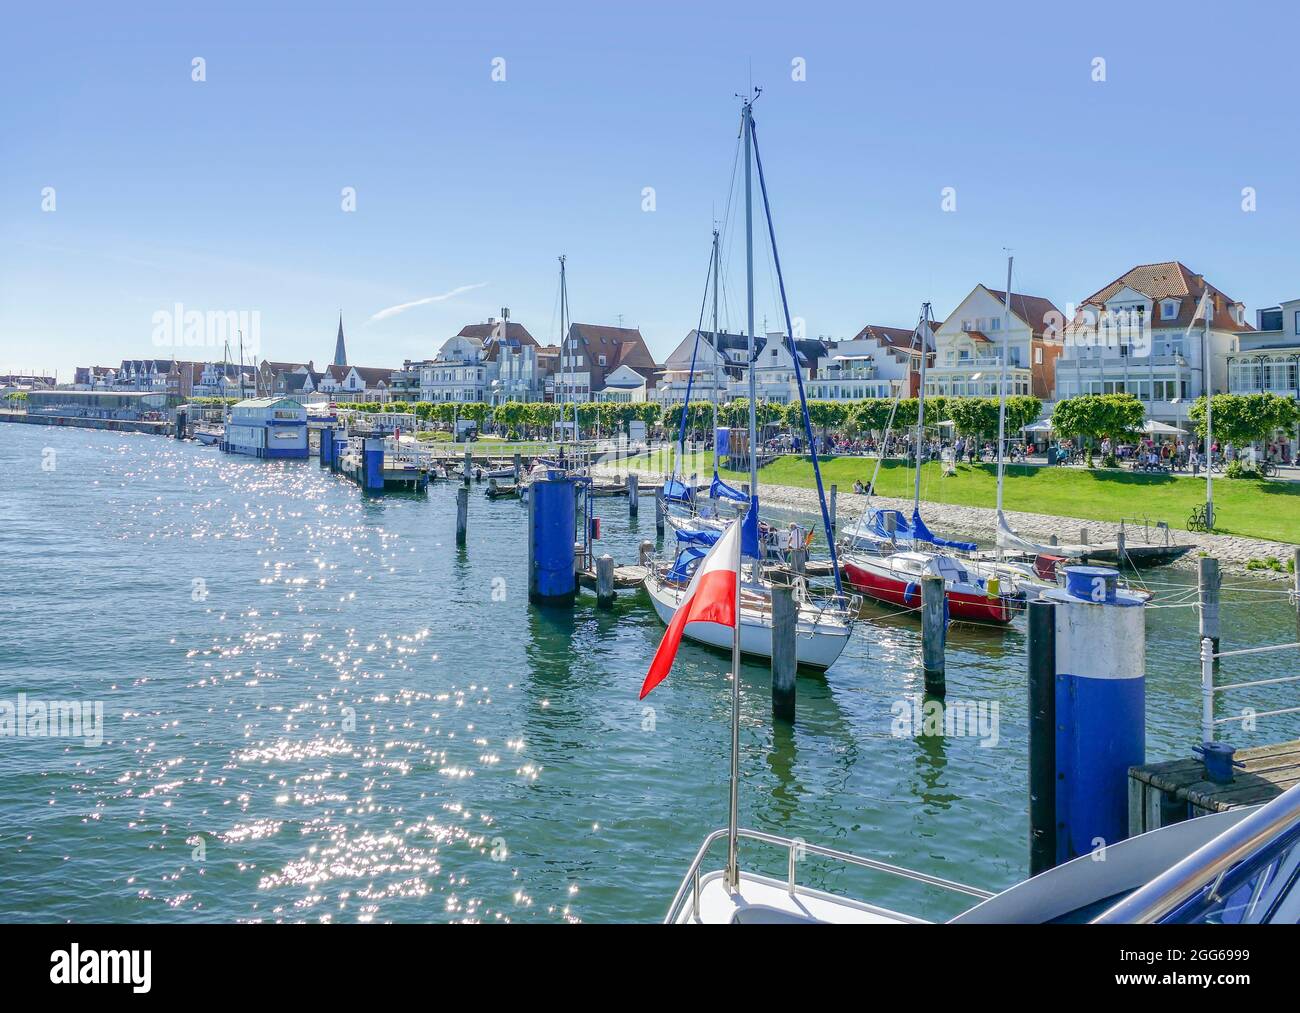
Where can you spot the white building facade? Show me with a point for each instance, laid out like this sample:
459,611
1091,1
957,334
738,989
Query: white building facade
1146,334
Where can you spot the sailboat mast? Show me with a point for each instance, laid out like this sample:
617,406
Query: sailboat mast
733,868
1002,383
717,351
920,407
749,302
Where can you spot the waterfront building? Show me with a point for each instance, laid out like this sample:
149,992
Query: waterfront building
267,427
968,346
1266,358
490,362
130,406
718,363
94,378
591,352
877,362
624,385
357,383
1143,334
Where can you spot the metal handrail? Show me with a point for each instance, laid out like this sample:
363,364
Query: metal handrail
1208,689
1178,884
691,883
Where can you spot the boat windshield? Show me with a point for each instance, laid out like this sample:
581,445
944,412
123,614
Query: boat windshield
1259,889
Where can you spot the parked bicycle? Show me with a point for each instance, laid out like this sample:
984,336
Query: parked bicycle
1199,519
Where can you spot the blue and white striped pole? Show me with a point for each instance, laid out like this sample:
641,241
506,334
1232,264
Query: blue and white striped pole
1100,704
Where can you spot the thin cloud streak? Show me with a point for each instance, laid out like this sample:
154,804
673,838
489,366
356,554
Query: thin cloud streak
392,311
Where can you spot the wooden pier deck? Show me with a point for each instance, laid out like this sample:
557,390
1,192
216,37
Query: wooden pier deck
626,578
1175,790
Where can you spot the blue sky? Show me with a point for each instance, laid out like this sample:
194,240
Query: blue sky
225,194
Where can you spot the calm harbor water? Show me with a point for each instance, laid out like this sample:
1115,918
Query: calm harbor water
317,708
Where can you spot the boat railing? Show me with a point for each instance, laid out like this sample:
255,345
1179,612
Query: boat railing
1209,658
1208,865
689,891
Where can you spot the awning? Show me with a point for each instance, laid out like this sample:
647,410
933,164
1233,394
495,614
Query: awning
1153,428
1043,426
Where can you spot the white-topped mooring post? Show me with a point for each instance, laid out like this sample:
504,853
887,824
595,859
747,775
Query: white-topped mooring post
1295,590
1208,580
645,551
1207,689
1099,707
605,581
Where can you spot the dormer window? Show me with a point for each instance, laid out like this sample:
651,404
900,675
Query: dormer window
1169,309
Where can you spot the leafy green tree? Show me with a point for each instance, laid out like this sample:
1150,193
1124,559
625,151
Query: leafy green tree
1096,416
1243,419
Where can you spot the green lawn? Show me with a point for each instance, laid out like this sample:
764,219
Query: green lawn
1254,509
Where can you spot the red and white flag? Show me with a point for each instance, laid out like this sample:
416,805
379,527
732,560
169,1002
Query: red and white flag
710,598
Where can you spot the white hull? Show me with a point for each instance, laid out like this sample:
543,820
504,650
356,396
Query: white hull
820,637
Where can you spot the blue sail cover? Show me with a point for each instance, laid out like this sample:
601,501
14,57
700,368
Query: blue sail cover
704,536
720,490
749,545
921,533
683,564
722,446
677,491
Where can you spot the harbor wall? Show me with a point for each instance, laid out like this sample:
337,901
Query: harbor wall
114,425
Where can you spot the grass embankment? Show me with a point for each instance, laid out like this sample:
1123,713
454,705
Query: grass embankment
1254,509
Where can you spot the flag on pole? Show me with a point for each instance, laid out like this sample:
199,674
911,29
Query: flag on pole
710,598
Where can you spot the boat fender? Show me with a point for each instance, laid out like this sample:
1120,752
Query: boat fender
992,587
910,592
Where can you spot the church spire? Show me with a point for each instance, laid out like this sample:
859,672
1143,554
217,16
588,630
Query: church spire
340,352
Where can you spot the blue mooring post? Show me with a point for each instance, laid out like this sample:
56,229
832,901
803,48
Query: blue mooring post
1099,704
551,525
326,447
372,472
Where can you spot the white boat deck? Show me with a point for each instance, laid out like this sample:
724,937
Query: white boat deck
763,901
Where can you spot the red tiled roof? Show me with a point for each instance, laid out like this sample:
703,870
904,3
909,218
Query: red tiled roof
900,338
1172,279
1034,310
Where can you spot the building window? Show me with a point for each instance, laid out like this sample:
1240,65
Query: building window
1297,321
1038,356
1168,309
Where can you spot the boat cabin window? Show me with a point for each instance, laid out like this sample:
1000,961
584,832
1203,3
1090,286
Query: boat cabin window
1258,890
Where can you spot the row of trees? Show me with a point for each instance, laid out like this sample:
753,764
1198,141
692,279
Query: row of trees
1239,419
971,416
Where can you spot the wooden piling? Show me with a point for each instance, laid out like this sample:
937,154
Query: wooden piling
1083,536
659,513
469,466
579,564
1208,580
518,467
462,514
1120,553
605,581
645,552
633,494
934,632
1295,590
785,615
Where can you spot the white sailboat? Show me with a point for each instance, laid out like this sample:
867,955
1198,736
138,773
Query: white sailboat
822,631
